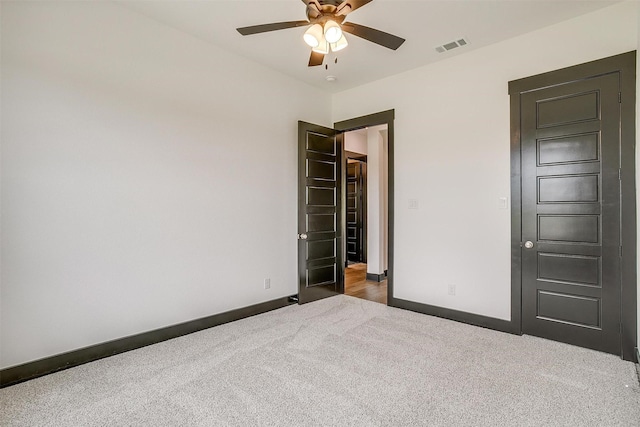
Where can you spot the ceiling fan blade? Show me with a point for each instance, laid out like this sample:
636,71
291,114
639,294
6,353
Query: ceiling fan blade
255,29
316,59
376,36
348,6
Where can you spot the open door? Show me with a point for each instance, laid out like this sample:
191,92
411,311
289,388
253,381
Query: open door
320,255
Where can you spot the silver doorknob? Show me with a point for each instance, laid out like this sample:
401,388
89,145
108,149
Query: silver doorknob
528,244
302,236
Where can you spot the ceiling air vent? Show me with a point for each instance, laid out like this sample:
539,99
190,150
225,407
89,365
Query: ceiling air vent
452,45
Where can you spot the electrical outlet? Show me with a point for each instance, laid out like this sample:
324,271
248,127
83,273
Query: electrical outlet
267,283
413,204
451,290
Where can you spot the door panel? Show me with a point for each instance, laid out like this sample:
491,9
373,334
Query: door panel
571,213
567,109
570,269
319,213
569,149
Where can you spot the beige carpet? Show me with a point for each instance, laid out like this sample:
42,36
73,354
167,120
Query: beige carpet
337,362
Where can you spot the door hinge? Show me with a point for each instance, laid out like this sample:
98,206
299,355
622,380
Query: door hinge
619,97
620,251
619,174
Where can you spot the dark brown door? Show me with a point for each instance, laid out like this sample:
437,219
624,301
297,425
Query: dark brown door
356,179
319,213
571,213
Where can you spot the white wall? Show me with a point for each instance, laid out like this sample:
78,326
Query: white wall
148,178
356,141
129,176
376,207
452,154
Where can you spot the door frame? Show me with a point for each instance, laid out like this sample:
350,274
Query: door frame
625,65
382,118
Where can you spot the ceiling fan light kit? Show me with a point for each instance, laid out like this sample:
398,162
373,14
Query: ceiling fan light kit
316,37
322,48
326,32
340,44
313,36
332,31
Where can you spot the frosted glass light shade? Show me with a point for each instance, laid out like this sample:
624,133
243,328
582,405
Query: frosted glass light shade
332,31
313,36
323,47
340,44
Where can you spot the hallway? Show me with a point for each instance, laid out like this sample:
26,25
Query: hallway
357,285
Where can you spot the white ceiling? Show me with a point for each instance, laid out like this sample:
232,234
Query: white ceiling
423,23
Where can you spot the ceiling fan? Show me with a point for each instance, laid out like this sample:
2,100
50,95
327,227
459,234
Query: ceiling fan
325,34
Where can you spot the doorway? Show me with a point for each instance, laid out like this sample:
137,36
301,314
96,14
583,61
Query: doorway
322,210
366,223
357,285
573,208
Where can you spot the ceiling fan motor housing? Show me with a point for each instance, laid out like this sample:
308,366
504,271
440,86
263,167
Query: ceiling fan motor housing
327,12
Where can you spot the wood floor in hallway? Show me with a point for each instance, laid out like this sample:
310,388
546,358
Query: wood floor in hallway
357,285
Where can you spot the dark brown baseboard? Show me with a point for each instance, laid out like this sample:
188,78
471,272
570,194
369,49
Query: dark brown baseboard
637,354
376,277
458,316
49,365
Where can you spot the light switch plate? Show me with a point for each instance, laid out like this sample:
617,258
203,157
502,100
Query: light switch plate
413,203
503,203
